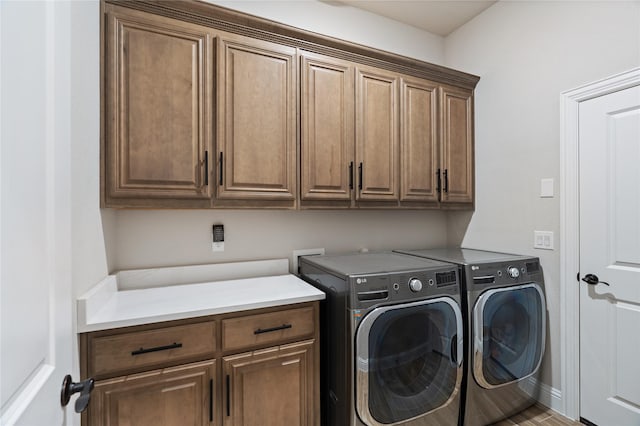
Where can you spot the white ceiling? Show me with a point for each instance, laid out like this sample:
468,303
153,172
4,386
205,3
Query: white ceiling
435,16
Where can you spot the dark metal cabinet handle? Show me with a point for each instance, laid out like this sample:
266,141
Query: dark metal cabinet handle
593,279
220,168
360,177
69,388
438,182
228,397
156,349
211,400
268,330
206,168
351,175
446,180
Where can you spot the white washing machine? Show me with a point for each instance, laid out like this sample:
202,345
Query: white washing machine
391,339
505,330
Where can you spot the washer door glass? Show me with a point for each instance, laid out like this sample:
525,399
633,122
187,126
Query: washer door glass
409,360
509,334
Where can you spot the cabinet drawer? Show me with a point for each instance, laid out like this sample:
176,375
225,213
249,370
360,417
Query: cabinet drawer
267,329
150,348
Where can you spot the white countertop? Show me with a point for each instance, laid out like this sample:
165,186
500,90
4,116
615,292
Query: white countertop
105,306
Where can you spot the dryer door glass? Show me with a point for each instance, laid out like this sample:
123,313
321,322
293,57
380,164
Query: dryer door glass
408,360
509,334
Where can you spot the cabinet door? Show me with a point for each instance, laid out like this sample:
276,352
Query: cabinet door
256,121
158,104
271,387
457,146
172,396
327,169
418,140
377,134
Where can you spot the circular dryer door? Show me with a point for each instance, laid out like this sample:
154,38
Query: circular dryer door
408,360
508,334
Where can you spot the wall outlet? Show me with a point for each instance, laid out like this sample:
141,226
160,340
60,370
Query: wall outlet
303,252
218,237
543,240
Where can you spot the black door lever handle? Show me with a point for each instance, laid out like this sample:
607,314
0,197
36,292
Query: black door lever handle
593,279
69,388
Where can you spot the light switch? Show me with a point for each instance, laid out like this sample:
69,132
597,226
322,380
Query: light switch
543,240
546,188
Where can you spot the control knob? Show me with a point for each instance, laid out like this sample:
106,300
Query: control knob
513,272
415,285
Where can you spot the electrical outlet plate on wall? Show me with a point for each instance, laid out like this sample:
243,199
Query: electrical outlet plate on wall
303,252
543,240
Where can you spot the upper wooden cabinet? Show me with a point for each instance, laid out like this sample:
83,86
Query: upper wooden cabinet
411,147
377,133
327,127
208,107
457,147
419,143
256,137
157,101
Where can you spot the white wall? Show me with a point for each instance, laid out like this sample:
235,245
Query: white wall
336,19
526,54
88,237
154,238
138,239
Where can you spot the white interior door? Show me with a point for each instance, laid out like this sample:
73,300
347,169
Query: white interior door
609,146
35,216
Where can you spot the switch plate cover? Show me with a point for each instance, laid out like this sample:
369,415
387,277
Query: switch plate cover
546,188
543,240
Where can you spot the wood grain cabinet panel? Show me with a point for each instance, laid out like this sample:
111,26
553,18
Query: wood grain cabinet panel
377,133
419,140
158,104
327,122
267,329
268,358
457,147
257,144
173,396
140,350
271,387
205,107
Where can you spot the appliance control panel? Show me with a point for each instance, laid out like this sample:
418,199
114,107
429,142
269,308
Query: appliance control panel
396,287
509,272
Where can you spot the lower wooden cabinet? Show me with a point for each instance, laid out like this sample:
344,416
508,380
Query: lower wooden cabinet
251,368
271,387
180,395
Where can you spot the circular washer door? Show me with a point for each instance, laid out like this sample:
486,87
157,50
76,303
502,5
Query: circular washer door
408,360
509,334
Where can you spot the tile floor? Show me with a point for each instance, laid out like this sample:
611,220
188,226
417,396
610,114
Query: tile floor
538,415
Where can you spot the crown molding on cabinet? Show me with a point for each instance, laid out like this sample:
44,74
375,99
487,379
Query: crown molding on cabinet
221,18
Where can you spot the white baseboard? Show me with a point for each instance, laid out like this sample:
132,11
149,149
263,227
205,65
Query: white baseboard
549,396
